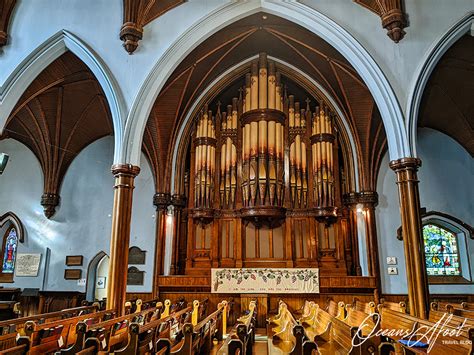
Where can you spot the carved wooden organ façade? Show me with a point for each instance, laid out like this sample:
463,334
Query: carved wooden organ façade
264,182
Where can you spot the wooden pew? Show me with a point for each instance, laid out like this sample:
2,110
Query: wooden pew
365,307
399,307
443,306
288,336
143,338
452,319
336,309
318,324
10,328
242,337
368,323
112,335
343,338
443,338
198,337
50,337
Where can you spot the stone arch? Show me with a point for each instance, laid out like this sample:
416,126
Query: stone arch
15,222
91,275
423,73
299,13
44,55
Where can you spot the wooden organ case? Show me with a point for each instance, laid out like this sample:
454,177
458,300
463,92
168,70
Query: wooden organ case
264,185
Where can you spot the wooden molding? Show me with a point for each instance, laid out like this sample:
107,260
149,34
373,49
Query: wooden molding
392,14
128,170
6,10
136,14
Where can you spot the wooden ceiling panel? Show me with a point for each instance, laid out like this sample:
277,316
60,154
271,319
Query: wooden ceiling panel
58,115
447,103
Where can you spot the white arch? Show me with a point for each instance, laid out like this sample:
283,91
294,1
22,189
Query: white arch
301,14
429,62
44,55
175,168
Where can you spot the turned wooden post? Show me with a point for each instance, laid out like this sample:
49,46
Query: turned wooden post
161,200
407,181
179,202
119,242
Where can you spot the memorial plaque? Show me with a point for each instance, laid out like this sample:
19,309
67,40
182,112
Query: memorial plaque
135,277
27,265
74,260
136,256
72,274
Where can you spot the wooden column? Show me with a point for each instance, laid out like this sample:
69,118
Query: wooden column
179,202
161,200
407,181
119,241
369,199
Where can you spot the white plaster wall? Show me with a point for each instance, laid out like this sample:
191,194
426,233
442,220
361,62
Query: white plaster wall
446,185
98,22
428,21
82,223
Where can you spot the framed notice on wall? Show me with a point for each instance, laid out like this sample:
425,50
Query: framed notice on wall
27,265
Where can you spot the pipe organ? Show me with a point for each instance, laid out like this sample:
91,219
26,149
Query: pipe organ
264,180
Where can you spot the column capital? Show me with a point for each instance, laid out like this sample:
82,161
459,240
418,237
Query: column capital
366,198
161,200
405,163
178,201
125,170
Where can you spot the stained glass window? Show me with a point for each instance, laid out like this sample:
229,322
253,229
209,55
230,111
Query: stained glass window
441,251
10,252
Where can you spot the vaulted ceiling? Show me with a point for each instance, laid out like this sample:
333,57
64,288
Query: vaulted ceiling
281,39
447,104
59,114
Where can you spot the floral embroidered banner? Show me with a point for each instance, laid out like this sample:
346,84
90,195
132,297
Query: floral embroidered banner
260,280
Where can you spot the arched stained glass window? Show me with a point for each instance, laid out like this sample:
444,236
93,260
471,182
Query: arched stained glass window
441,251
9,252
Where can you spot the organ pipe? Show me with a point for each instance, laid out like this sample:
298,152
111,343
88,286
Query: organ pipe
205,144
322,141
264,124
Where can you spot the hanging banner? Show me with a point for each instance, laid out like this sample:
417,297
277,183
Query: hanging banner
261,280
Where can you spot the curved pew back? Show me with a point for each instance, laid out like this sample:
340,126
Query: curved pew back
113,334
142,338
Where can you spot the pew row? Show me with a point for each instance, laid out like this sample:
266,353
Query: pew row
198,337
242,337
441,337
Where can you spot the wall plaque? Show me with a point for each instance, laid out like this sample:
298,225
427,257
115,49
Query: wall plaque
260,280
74,260
136,256
135,277
27,264
72,274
